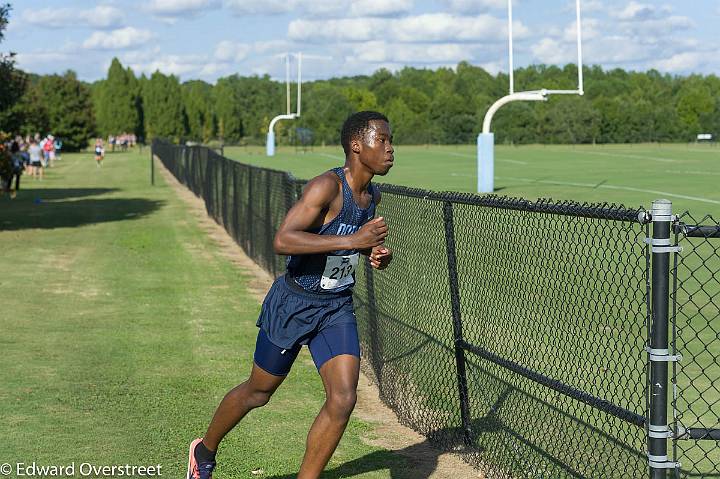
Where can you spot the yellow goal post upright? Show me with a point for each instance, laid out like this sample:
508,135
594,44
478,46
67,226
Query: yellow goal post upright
486,139
270,145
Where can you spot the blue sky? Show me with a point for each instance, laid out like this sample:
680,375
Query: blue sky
208,39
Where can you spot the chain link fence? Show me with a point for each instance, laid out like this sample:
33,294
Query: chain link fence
513,333
250,202
543,306
696,336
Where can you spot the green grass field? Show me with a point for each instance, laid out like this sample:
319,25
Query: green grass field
634,175
123,326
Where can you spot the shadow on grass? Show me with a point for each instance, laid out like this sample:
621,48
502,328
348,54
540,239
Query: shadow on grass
57,208
399,463
53,194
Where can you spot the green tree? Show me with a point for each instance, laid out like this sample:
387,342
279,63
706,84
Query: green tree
197,101
329,110
408,127
69,109
694,100
452,119
13,83
29,115
209,126
361,99
117,101
162,107
569,120
516,123
227,109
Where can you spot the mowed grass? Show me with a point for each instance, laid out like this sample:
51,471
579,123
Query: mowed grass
633,175
123,327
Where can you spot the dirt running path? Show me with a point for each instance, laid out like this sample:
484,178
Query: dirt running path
423,460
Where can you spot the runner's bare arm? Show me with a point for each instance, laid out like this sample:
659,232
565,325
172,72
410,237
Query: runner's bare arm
293,238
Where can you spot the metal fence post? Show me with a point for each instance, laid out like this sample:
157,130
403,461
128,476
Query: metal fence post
152,164
658,353
457,321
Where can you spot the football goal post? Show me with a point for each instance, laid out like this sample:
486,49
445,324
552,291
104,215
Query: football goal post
486,139
270,146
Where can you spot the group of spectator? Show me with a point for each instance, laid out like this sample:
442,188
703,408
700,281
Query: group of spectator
29,155
123,141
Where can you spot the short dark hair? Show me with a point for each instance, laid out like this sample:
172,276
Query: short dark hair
356,125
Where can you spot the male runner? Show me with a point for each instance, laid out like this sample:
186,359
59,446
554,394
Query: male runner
323,234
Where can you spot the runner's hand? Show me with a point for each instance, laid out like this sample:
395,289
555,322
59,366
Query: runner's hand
371,234
380,257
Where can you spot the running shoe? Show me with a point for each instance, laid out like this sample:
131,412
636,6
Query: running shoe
197,470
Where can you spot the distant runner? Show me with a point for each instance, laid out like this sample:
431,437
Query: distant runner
36,153
99,152
323,233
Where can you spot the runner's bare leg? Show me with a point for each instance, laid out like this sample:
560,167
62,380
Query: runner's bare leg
253,393
340,378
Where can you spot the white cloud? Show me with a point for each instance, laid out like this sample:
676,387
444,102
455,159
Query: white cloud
102,16
686,61
474,6
227,51
273,46
659,26
636,36
353,30
641,12
167,64
643,19
426,28
31,60
591,28
273,7
549,50
212,69
128,37
254,7
173,8
322,8
378,8
184,66
382,52
444,27
588,6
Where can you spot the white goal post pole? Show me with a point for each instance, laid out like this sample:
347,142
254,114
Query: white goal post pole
581,87
299,84
287,83
510,49
270,143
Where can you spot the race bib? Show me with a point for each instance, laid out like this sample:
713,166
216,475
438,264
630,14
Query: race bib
339,271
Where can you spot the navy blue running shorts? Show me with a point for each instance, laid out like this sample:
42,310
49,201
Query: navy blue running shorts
324,345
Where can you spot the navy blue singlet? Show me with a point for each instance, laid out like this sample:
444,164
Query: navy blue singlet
319,273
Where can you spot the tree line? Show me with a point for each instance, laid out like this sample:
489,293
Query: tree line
443,106
425,106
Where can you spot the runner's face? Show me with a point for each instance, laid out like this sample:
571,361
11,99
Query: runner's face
377,152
